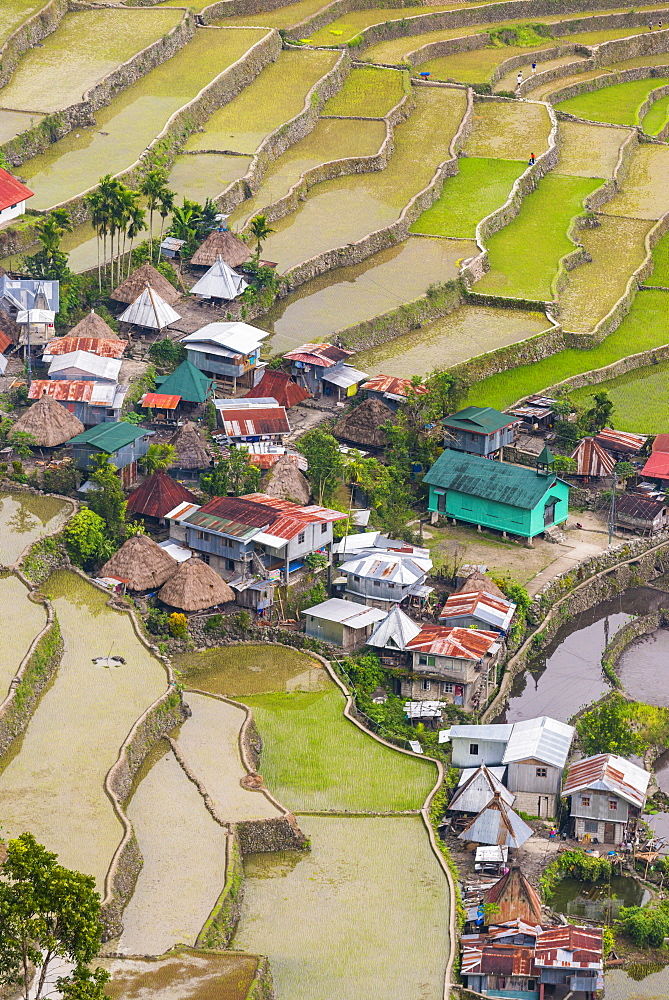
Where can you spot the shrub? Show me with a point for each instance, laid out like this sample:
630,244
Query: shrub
178,625
646,927
214,623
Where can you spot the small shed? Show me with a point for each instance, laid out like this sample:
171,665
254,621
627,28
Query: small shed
593,461
142,563
477,609
284,480
221,243
157,496
219,282
195,586
644,515
362,425
187,382
258,595
497,823
621,444
49,423
478,791
150,311
341,623
134,285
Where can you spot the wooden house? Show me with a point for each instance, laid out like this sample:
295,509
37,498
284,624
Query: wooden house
607,795
514,899
341,623
535,757
149,311
509,498
245,420
479,430
90,402
657,467
381,578
641,513
123,444
310,363
193,452
569,961
227,352
498,824
94,327
476,745
454,665
82,366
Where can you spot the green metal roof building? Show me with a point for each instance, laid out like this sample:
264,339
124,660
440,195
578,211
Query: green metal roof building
479,430
123,443
188,382
509,498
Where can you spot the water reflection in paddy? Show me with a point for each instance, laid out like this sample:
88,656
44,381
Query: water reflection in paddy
24,518
637,984
20,622
598,901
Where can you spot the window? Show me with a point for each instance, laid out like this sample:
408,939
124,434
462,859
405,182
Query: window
377,583
324,527
473,749
111,412
230,565
425,685
205,558
203,536
357,579
591,826
585,800
613,804
391,586
425,660
441,502
447,687
541,772
300,538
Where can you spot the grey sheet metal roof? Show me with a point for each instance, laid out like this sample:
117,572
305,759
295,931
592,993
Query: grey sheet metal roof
476,793
541,739
495,733
497,824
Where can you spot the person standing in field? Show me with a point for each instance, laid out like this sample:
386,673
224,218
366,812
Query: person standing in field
534,68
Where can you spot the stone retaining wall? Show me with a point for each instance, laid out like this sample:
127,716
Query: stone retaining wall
607,80
28,34
447,47
223,919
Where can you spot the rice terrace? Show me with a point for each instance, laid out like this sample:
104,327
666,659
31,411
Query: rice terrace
300,699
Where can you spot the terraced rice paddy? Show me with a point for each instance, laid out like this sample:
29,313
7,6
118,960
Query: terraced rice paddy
134,118
283,17
509,81
644,328
12,123
618,104
344,28
53,782
660,275
457,337
524,256
481,186
344,210
502,130
199,177
23,519
640,399
250,669
276,95
203,975
13,13
656,118
351,295
368,93
22,620
589,150
85,47
644,194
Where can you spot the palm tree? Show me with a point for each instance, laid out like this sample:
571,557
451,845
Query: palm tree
153,187
158,458
136,225
107,188
95,204
260,231
165,206
127,201
184,221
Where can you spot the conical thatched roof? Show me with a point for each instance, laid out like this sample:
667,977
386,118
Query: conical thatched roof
361,425
479,581
285,481
142,563
93,326
145,275
221,243
9,327
49,423
194,587
193,452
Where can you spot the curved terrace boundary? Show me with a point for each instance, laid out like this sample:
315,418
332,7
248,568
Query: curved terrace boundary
28,34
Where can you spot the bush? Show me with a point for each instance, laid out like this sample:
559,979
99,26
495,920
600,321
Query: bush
214,623
85,538
157,622
178,625
646,927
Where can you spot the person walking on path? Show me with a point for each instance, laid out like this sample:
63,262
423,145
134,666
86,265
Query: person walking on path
532,159
650,25
534,68
520,78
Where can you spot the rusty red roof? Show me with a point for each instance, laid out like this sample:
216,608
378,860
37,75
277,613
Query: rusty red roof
254,421
158,496
495,958
607,772
12,191
639,506
620,440
278,385
5,341
592,459
93,345
393,384
657,466
322,355
65,391
661,443
460,643
257,510
159,401
569,947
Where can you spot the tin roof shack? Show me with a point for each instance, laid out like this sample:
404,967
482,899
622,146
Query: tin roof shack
498,824
383,577
499,969
621,444
246,420
240,536
592,459
477,610
606,795
570,959
81,366
255,594
535,758
157,496
641,514
536,413
391,636
391,390
476,745
508,498
91,402
455,665
657,468
19,294
150,311
227,352
219,282
278,385
479,430
309,362
477,791
123,443
111,348
341,623
515,899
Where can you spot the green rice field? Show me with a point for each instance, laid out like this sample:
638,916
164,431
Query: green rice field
644,328
656,118
368,93
283,17
618,104
524,256
481,186
640,399
660,275
85,47
14,12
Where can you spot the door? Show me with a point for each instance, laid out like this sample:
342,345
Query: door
609,833
542,807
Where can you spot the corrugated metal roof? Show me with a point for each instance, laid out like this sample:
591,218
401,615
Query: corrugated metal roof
242,517
489,609
12,191
661,443
64,390
93,345
159,401
149,310
321,355
531,412
188,382
657,466
278,385
158,495
515,485
395,631
237,337
345,612
541,739
638,506
609,773
344,376
478,791
620,440
592,459
496,732
460,643
388,566
569,947
479,419
498,824
497,959
90,364
254,421
391,385
110,437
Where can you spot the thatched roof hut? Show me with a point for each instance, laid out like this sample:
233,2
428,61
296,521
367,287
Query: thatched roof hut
362,424
194,587
9,327
285,481
479,581
221,243
49,423
132,287
158,495
142,563
193,452
93,326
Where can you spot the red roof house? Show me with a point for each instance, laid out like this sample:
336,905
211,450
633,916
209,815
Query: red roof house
278,385
657,466
13,196
158,496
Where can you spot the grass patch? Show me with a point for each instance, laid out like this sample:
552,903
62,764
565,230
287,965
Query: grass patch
368,92
641,399
313,758
481,186
644,328
656,118
524,256
618,104
660,275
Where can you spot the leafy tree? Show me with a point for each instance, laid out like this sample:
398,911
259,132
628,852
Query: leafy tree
599,414
63,478
50,262
388,493
260,231
167,353
606,729
158,458
326,463
231,476
415,433
84,984
153,187
46,912
563,463
85,538
108,500
22,442
624,470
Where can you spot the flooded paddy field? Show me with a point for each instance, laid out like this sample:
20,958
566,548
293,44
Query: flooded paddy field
525,255
52,782
276,95
12,123
84,48
251,669
350,295
346,27
464,333
508,131
640,398
589,150
598,901
644,194
197,975
368,92
22,620
133,119
204,175
642,664
355,866
346,209
13,13
25,517
568,674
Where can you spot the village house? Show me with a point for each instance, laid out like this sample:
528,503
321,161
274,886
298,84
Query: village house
13,197
17,295
244,421
363,426
221,243
592,459
479,430
454,665
322,369
392,390
81,366
188,383
480,788
278,385
657,466
91,402
606,796
536,413
352,545
382,577
145,275
219,282
496,824
621,444
509,498
569,958
227,352
535,757
112,348
342,623
473,746
641,512
477,609
123,444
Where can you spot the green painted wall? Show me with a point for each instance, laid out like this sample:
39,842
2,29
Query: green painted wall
502,516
